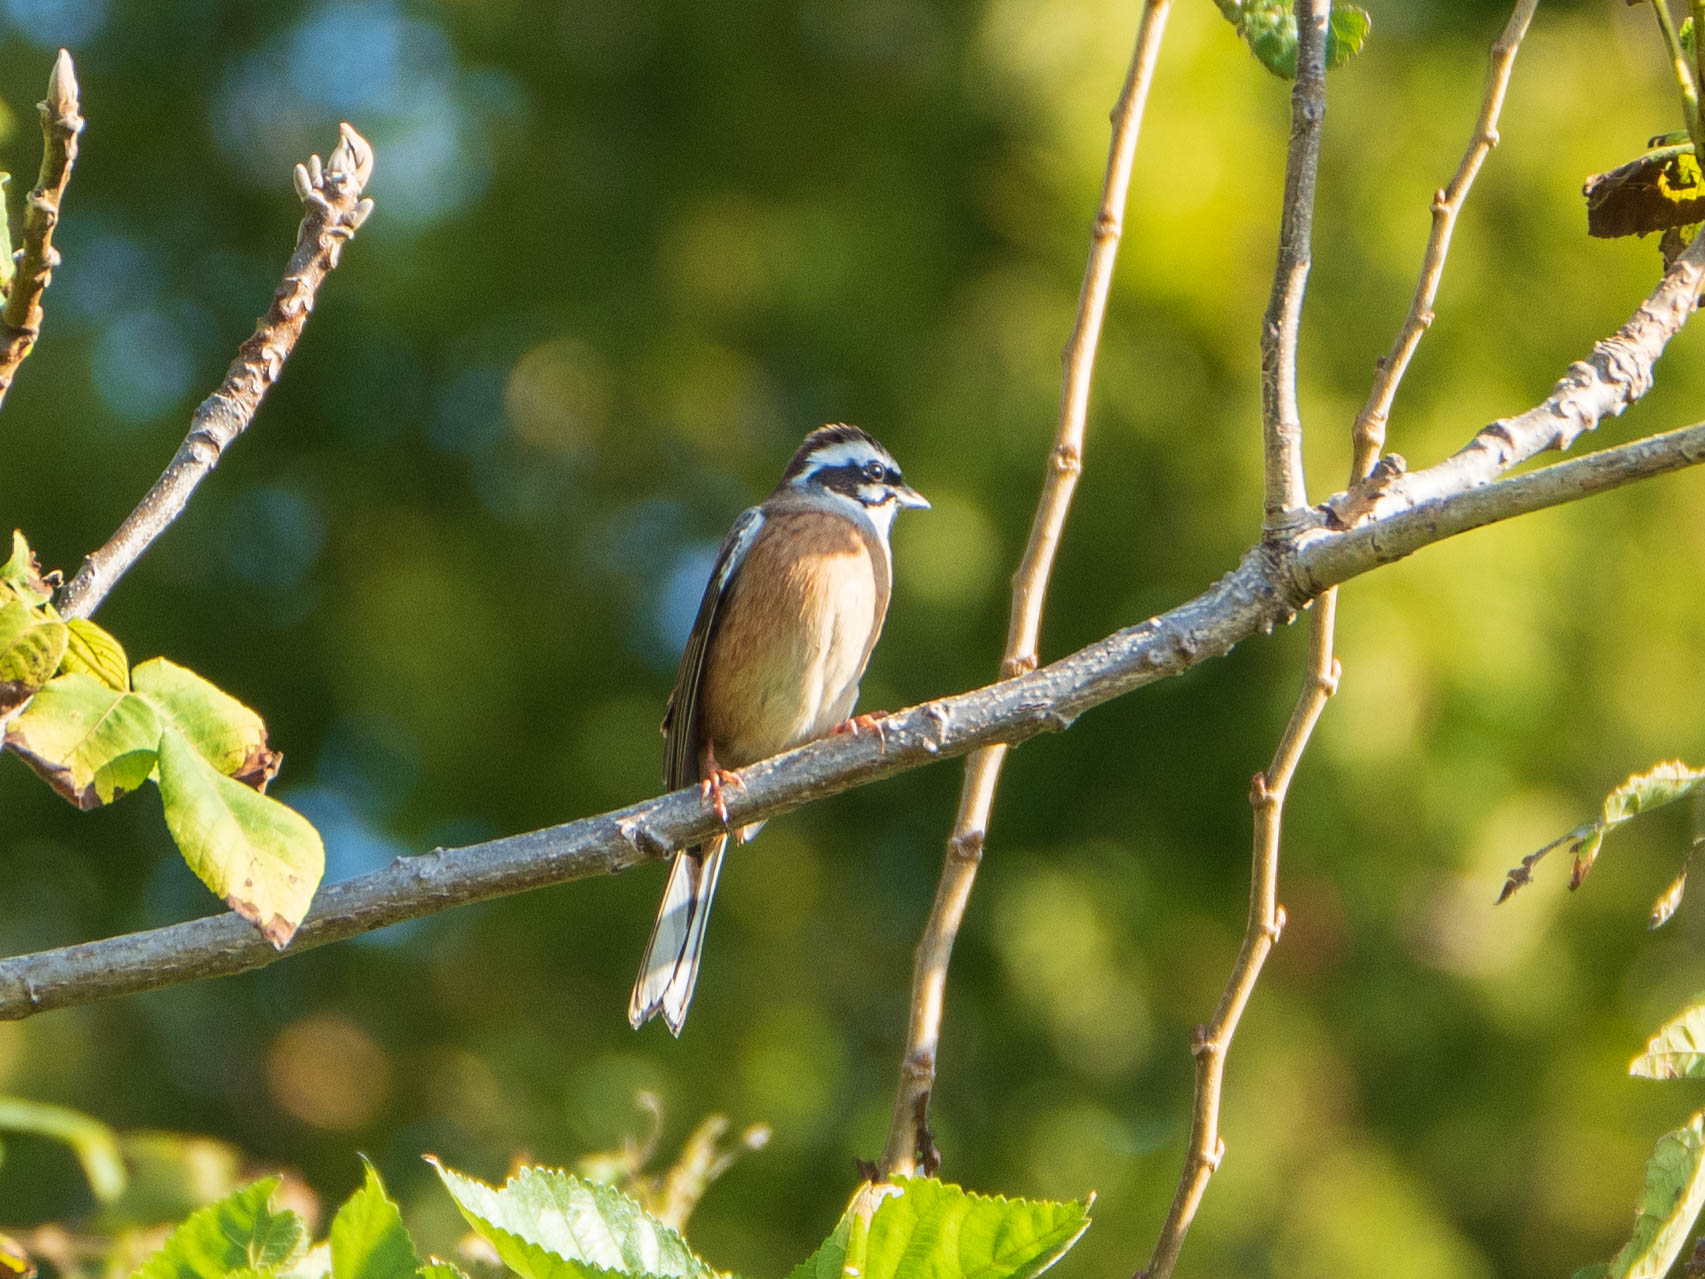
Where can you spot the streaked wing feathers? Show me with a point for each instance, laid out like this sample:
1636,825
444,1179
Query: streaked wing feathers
681,720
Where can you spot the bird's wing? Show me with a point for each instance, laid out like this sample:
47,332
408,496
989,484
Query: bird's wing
681,720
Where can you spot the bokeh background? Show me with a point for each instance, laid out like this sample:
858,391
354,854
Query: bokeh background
625,254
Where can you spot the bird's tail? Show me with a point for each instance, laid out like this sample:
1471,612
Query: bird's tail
670,968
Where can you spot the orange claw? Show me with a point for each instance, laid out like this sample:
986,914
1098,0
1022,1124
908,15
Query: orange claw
871,721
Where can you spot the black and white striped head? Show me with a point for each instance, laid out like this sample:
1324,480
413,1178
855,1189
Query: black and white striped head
847,468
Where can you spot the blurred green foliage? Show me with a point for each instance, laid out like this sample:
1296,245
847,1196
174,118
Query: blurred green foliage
625,254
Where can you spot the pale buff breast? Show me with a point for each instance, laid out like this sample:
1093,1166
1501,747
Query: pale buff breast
795,634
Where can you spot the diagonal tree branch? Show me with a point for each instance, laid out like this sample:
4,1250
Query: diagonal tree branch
1281,421
1615,375
910,1146
333,210
1266,588
61,126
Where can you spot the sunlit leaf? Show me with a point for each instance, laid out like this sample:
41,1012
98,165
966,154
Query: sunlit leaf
89,742
935,1229
1663,188
1664,908
31,648
240,1232
21,577
94,1144
1677,1051
264,859
91,651
367,1236
546,1224
438,1268
228,734
1674,1192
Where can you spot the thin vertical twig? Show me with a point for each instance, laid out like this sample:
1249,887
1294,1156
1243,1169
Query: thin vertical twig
61,126
910,1145
1211,1043
333,209
1281,420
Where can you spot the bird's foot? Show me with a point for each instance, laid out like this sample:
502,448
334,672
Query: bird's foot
710,789
869,722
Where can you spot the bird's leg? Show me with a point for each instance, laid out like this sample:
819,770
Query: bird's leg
715,778
870,721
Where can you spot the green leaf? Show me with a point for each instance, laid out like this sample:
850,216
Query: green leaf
546,1224
367,1236
1346,33
94,1144
21,576
91,651
228,734
1674,1192
1270,29
264,859
241,1233
933,1230
830,1257
89,742
437,1268
1677,1051
31,648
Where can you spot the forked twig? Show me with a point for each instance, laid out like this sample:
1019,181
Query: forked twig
333,209
61,125
910,1146
1320,680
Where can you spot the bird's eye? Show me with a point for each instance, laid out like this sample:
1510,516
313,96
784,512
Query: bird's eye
874,470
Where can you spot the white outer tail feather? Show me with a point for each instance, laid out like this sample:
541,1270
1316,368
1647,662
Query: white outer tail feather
670,968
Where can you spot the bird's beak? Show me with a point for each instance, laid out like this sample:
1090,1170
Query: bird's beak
908,496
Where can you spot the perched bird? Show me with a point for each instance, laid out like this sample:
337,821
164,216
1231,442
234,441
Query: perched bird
793,608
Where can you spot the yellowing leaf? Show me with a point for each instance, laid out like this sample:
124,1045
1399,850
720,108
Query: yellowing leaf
31,648
94,652
264,859
1677,1051
227,734
89,742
